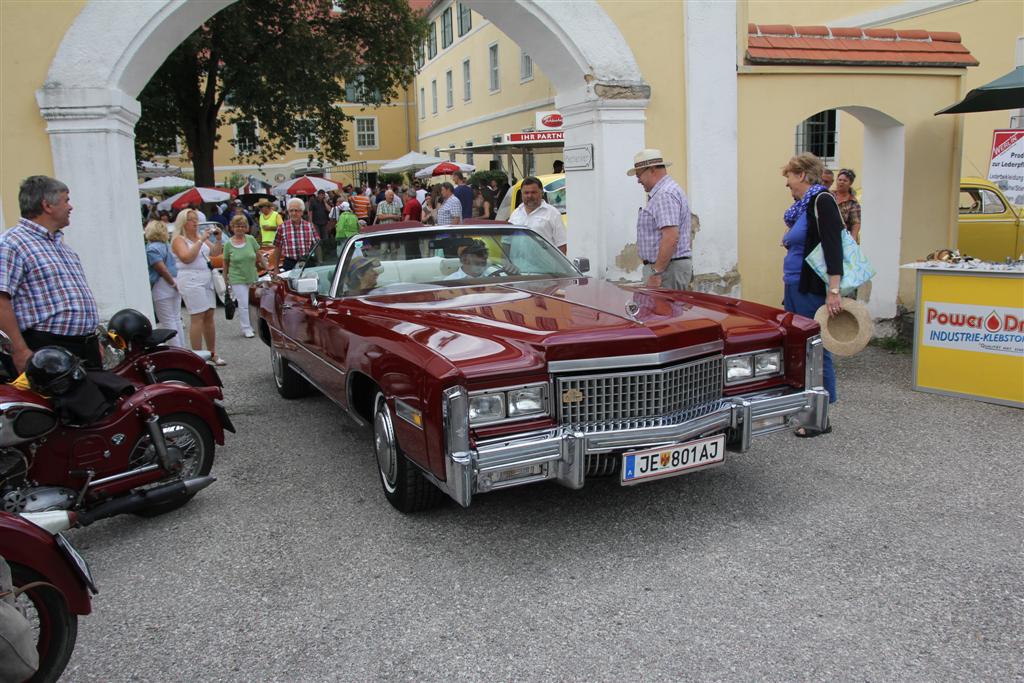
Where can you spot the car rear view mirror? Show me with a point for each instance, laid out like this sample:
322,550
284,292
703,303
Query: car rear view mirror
582,264
303,285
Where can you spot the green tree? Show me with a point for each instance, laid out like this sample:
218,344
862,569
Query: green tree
282,64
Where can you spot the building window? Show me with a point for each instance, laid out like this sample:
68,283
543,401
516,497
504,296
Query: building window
819,135
446,27
420,56
467,89
356,92
469,155
449,89
492,56
465,19
432,41
246,139
423,104
525,68
433,97
366,132
305,134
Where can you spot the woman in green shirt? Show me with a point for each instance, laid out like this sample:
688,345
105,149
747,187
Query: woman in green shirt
240,254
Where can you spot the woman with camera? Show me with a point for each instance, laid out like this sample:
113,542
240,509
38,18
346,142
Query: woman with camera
195,278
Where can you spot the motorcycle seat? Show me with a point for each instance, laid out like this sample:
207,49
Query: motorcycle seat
157,337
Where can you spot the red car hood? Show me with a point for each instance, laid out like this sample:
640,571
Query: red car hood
519,326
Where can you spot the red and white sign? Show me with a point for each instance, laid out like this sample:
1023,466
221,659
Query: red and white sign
548,120
967,327
1006,168
538,136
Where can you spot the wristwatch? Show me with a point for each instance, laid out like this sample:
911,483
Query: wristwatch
658,273
834,290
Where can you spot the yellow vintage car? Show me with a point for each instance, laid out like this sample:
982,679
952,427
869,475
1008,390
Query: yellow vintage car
990,226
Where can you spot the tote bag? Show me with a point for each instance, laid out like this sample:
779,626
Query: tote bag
856,268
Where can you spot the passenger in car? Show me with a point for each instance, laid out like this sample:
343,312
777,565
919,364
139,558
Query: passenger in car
362,275
473,259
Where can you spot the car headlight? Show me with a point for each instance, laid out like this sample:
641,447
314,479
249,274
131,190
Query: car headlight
750,367
738,368
515,403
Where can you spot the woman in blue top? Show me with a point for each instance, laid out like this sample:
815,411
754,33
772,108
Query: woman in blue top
812,219
163,269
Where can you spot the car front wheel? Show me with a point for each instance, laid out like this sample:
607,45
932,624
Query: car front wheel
404,486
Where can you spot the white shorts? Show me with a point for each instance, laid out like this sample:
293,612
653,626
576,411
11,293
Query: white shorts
196,289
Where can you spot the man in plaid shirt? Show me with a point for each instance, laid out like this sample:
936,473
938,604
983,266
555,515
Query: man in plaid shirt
663,226
450,211
44,297
295,238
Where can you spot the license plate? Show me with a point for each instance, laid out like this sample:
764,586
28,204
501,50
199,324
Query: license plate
77,561
669,461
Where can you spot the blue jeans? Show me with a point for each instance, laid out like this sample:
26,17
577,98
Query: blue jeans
807,305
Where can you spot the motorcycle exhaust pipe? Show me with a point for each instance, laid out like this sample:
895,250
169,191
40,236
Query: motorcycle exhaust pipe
143,499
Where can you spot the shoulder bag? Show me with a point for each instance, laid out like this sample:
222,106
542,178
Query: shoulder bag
856,268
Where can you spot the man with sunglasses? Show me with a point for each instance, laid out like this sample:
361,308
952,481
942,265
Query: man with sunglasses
663,226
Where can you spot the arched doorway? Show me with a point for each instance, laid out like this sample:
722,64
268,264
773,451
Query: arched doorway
89,104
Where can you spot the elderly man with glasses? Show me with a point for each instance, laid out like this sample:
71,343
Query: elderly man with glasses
295,238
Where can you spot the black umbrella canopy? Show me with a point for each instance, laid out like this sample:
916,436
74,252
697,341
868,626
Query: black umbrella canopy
1006,92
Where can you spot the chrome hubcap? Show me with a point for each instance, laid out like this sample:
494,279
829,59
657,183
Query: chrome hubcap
278,365
384,446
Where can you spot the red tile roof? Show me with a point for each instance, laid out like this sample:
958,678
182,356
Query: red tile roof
821,45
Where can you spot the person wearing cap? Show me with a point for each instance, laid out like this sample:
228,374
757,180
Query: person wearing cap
474,261
269,221
663,226
347,226
362,276
812,219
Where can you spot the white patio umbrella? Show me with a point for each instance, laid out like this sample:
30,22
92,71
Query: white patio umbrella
165,182
444,168
409,162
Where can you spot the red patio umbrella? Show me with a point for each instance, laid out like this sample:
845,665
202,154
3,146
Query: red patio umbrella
198,195
444,168
307,184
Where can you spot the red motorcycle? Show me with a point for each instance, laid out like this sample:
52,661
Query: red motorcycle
100,437
136,352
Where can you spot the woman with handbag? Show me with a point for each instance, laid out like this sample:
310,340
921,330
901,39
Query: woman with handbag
241,254
813,219
195,279
163,269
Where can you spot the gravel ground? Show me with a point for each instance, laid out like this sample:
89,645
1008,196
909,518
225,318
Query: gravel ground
889,550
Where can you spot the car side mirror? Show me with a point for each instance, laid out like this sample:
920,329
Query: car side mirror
582,264
303,285
6,347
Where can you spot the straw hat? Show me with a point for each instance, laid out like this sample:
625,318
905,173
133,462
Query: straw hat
646,158
263,202
848,332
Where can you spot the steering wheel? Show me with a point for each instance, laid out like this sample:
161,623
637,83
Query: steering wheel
495,269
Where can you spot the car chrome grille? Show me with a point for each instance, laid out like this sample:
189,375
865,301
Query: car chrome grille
639,398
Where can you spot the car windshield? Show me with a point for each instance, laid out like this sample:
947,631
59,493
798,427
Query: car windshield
445,257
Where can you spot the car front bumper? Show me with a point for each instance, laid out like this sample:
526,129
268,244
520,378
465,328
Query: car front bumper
561,453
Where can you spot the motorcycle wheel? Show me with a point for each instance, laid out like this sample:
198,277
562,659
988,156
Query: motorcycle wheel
404,487
179,376
190,434
56,626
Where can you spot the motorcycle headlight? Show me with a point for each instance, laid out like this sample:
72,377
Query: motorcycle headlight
738,368
486,408
768,363
526,401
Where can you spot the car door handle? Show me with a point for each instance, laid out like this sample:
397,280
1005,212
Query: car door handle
286,306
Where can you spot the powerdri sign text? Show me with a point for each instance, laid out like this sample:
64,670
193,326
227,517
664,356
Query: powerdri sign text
966,327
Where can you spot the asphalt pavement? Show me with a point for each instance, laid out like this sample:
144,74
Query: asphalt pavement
888,550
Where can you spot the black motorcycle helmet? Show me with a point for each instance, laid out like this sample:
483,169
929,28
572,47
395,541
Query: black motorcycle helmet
54,371
130,325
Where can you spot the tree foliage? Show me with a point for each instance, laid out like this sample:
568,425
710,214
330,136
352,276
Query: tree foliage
282,64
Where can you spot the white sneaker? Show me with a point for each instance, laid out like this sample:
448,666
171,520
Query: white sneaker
249,334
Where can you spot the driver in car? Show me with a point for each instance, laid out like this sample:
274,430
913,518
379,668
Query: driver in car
362,275
474,261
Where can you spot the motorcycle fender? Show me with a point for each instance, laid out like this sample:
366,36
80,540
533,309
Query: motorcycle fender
25,543
174,358
164,399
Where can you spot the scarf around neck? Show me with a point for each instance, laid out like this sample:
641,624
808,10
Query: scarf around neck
800,206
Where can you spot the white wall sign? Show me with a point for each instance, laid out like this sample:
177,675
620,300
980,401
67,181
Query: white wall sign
1006,168
548,120
965,327
578,158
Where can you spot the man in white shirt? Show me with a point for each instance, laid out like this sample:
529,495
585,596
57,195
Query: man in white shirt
474,262
538,215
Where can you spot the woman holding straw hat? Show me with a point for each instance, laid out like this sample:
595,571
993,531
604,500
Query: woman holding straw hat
195,279
163,269
813,219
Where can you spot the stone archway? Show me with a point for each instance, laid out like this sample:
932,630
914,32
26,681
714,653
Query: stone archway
89,103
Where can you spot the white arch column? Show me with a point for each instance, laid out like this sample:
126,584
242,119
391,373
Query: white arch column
92,141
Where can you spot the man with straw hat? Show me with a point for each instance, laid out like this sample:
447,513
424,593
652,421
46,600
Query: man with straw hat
663,226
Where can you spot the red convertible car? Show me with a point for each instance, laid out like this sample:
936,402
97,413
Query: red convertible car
484,359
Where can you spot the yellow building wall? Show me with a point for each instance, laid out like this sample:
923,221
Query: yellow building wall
766,143
25,57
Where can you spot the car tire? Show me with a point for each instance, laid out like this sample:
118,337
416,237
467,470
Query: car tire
404,485
289,383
